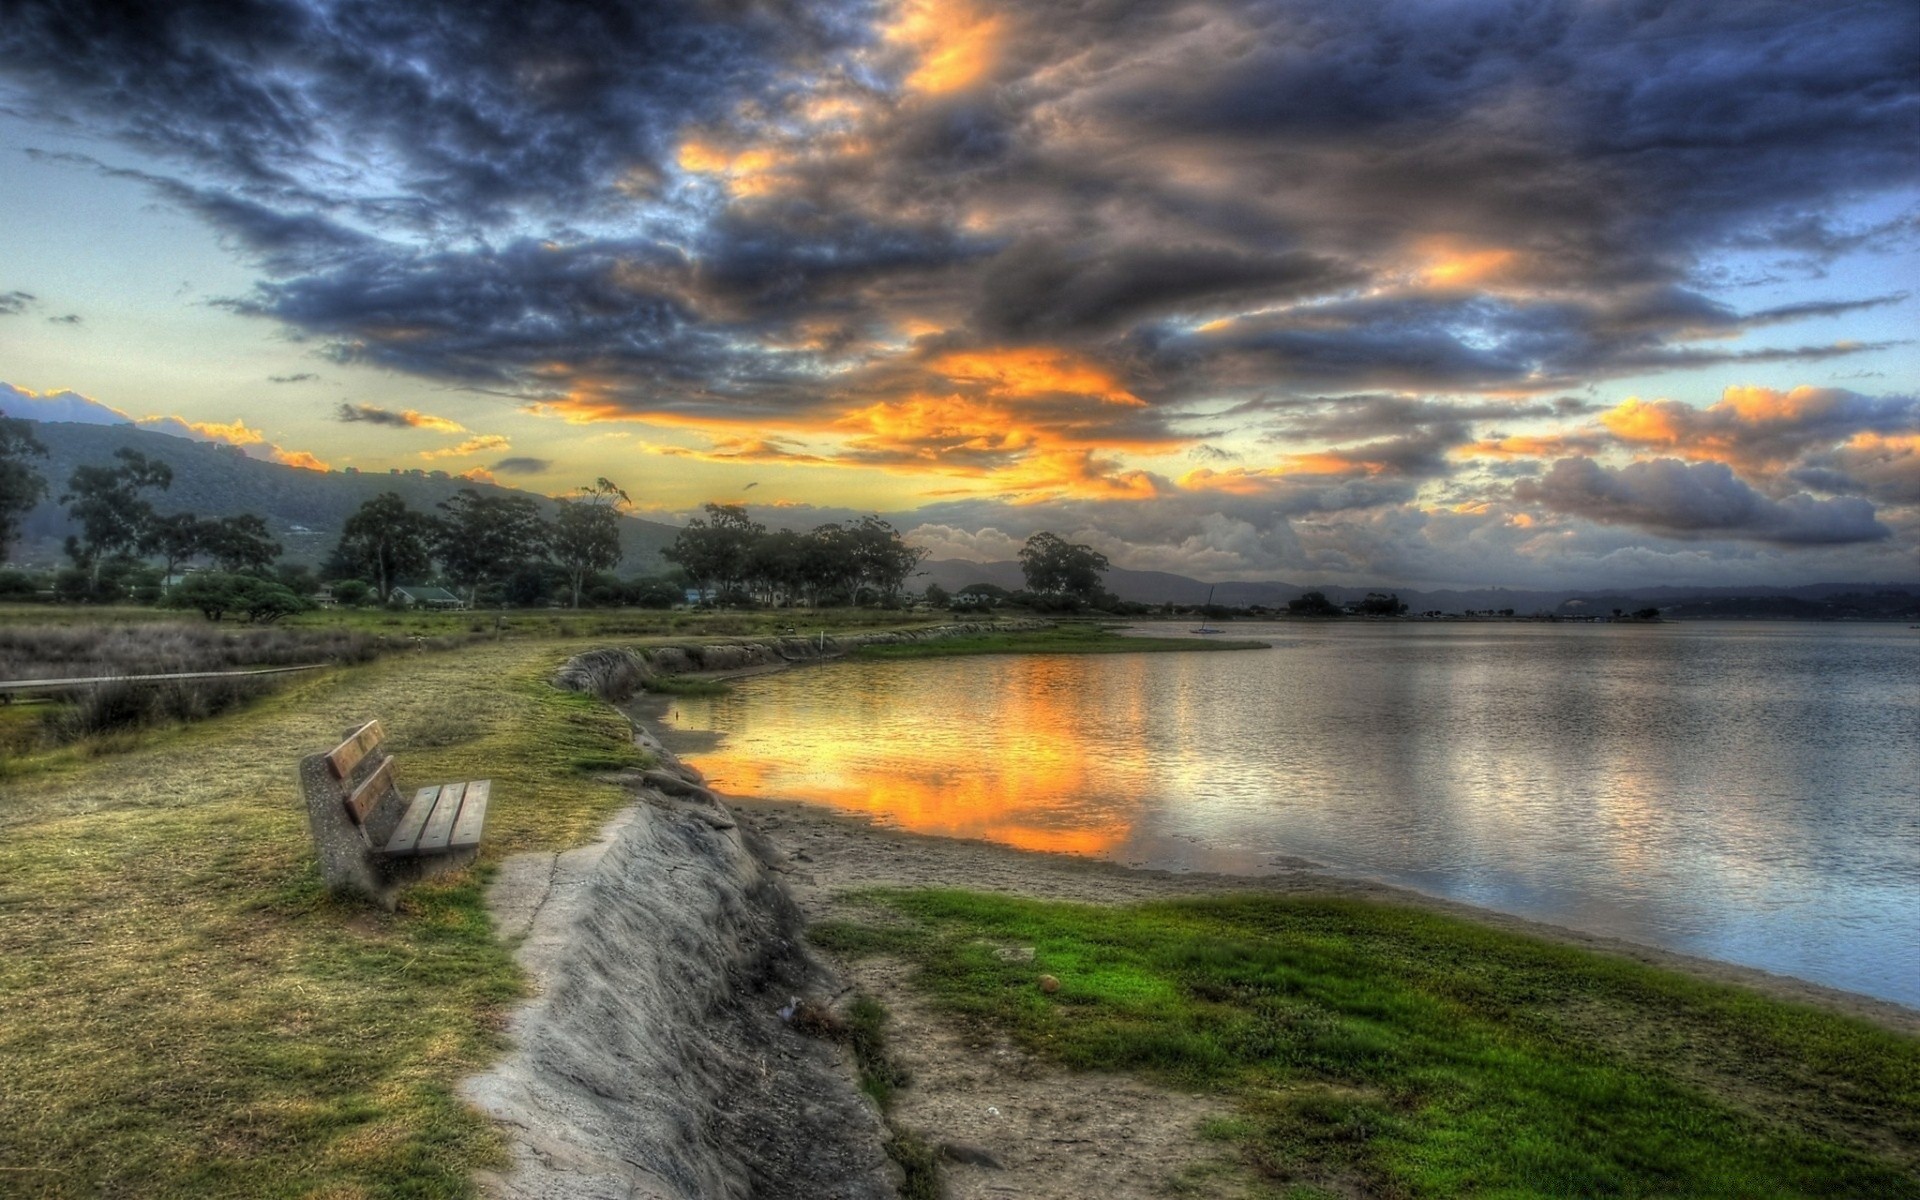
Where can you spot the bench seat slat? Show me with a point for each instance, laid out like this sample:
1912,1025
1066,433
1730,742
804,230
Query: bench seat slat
342,759
473,815
369,792
406,835
440,825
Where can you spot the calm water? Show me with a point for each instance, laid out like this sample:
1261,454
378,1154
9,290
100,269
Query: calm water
1741,791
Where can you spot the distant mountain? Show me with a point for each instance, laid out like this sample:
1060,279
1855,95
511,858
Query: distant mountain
1819,600
305,509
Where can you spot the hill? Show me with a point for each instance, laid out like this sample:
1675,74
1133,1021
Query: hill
1814,601
305,509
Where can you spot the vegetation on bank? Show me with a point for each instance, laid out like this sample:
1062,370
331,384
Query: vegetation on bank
1063,638
183,1010
1385,1051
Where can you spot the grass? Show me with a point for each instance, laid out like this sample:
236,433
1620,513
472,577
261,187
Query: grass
184,1012
1397,1053
686,685
1064,638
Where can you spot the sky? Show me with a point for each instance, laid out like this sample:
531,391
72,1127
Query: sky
1522,293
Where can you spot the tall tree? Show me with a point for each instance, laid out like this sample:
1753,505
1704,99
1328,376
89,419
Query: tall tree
242,544
484,539
20,485
586,533
1056,567
176,539
113,516
713,550
385,543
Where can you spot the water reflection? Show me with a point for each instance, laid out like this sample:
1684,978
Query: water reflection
1745,792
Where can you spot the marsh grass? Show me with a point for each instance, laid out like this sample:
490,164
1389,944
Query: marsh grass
1064,638
1390,1052
184,1012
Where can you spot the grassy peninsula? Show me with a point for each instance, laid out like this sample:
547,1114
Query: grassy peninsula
1382,1051
1067,637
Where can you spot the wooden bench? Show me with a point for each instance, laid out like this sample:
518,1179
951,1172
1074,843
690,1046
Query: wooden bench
368,837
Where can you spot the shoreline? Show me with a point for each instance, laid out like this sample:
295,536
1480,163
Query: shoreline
1050,871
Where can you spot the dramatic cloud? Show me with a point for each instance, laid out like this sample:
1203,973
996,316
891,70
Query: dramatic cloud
408,419
474,445
1690,499
1223,285
60,405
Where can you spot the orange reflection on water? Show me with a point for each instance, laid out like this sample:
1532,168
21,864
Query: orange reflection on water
1031,792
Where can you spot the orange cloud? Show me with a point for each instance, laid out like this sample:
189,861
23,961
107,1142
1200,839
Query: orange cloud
299,458
233,433
955,42
473,445
1548,445
1033,371
1447,263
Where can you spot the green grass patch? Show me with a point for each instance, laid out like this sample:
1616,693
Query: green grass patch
1395,1052
184,1012
1064,638
685,685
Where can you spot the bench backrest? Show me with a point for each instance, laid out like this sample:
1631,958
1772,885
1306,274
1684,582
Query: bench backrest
366,782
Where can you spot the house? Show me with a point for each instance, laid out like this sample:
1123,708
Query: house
427,597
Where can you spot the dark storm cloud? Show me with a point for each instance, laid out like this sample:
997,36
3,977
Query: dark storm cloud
1684,499
522,465
444,113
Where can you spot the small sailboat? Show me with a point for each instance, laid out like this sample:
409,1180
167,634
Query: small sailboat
1204,627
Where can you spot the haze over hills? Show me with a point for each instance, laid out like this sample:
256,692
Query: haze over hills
305,509
1160,587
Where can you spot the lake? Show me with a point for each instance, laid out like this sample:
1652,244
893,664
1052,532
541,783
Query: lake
1742,791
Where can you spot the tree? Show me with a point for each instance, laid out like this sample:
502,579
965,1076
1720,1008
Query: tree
215,595
485,539
177,539
936,596
1313,604
1056,567
586,533
1380,604
714,550
20,485
241,545
386,540
107,502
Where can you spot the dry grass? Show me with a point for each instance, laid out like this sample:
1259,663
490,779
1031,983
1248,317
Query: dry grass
184,1012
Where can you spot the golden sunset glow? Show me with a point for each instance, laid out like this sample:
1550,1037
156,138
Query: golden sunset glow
940,784
1034,371
1449,264
955,42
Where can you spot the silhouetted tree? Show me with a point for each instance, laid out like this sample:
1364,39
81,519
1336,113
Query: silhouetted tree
176,539
20,485
713,550
385,543
1313,604
1055,567
1381,604
240,545
484,539
586,533
113,516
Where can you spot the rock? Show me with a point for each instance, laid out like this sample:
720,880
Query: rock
1049,984
973,1156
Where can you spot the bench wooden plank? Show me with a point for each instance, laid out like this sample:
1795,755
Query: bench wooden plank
406,835
473,815
342,759
368,794
440,825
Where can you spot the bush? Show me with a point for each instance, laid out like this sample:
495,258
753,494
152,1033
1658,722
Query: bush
214,595
352,592
18,585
